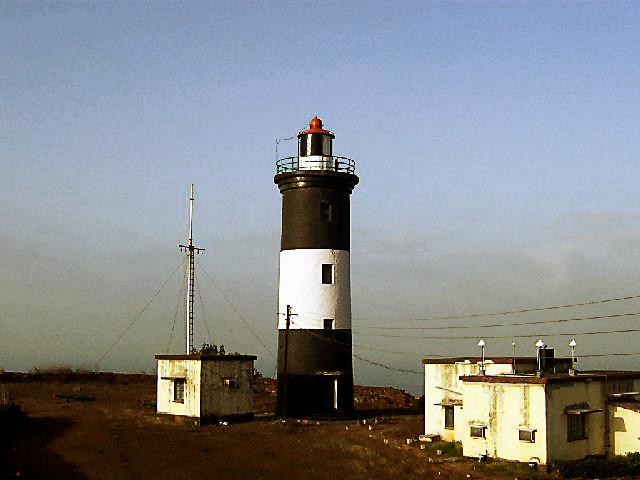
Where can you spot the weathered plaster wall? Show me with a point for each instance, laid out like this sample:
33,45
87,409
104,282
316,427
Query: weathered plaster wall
504,408
443,384
226,388
562,395
190,371
624,427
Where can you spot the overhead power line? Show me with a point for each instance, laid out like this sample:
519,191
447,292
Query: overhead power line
471,337
613,354
346,347
536,322
385,366
403,370
523,310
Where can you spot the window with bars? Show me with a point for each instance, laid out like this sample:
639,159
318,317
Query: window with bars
576,427
478,431
178,390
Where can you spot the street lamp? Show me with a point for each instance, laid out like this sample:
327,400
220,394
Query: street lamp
540,345
481,344
572,345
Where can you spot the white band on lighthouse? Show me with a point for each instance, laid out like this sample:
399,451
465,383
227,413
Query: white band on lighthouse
317,285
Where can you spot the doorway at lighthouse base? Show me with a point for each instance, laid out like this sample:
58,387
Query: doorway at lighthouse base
319,379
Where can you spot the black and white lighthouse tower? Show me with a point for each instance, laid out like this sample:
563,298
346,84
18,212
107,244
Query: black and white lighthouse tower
315,373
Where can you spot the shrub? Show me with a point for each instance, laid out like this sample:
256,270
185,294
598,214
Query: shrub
618,466
209,349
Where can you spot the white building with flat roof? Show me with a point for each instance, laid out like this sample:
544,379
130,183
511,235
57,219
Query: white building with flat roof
531,415
205,388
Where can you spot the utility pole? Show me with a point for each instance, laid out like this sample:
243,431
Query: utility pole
191,251
286,361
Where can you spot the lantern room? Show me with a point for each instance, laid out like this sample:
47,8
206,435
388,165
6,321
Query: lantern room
315,147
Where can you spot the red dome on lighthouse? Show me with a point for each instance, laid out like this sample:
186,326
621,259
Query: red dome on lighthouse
315,123
315,126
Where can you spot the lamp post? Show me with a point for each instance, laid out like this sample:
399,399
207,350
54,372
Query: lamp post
539,346
572,345
481,344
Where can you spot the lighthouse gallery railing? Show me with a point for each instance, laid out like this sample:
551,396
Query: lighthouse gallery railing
334,164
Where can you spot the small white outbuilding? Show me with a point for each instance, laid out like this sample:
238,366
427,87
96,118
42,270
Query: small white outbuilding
205,388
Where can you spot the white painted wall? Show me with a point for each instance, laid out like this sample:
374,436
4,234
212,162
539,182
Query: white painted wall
624,430
206,393
503,408
191,371
300,285
442,383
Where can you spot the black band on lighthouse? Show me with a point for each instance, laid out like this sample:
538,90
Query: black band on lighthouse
315,209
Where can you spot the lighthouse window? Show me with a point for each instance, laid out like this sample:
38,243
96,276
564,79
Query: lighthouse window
325,211
316,144
328,324
327,273
303,146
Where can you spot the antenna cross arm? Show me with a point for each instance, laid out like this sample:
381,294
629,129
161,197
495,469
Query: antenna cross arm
191,248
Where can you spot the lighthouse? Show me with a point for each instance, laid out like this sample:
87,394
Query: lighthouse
315,373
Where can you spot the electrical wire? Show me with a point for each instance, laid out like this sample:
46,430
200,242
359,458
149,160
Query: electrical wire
135,319
537,322
613,354
468,337
347,348
523,310
178,303
363,347
204,314
235,310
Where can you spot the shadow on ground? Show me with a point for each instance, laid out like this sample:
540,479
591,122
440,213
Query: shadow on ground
24,448
384,412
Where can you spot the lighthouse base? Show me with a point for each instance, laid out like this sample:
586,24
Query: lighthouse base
319,375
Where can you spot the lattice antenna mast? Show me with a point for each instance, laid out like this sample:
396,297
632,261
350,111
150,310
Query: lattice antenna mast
191,252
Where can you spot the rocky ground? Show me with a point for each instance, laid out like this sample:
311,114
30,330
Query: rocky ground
104,427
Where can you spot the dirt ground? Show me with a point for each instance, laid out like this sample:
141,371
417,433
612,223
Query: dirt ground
118,436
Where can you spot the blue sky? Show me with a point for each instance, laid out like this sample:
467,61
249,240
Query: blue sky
496,144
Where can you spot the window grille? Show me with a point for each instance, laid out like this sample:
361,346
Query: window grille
576,427
178,390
